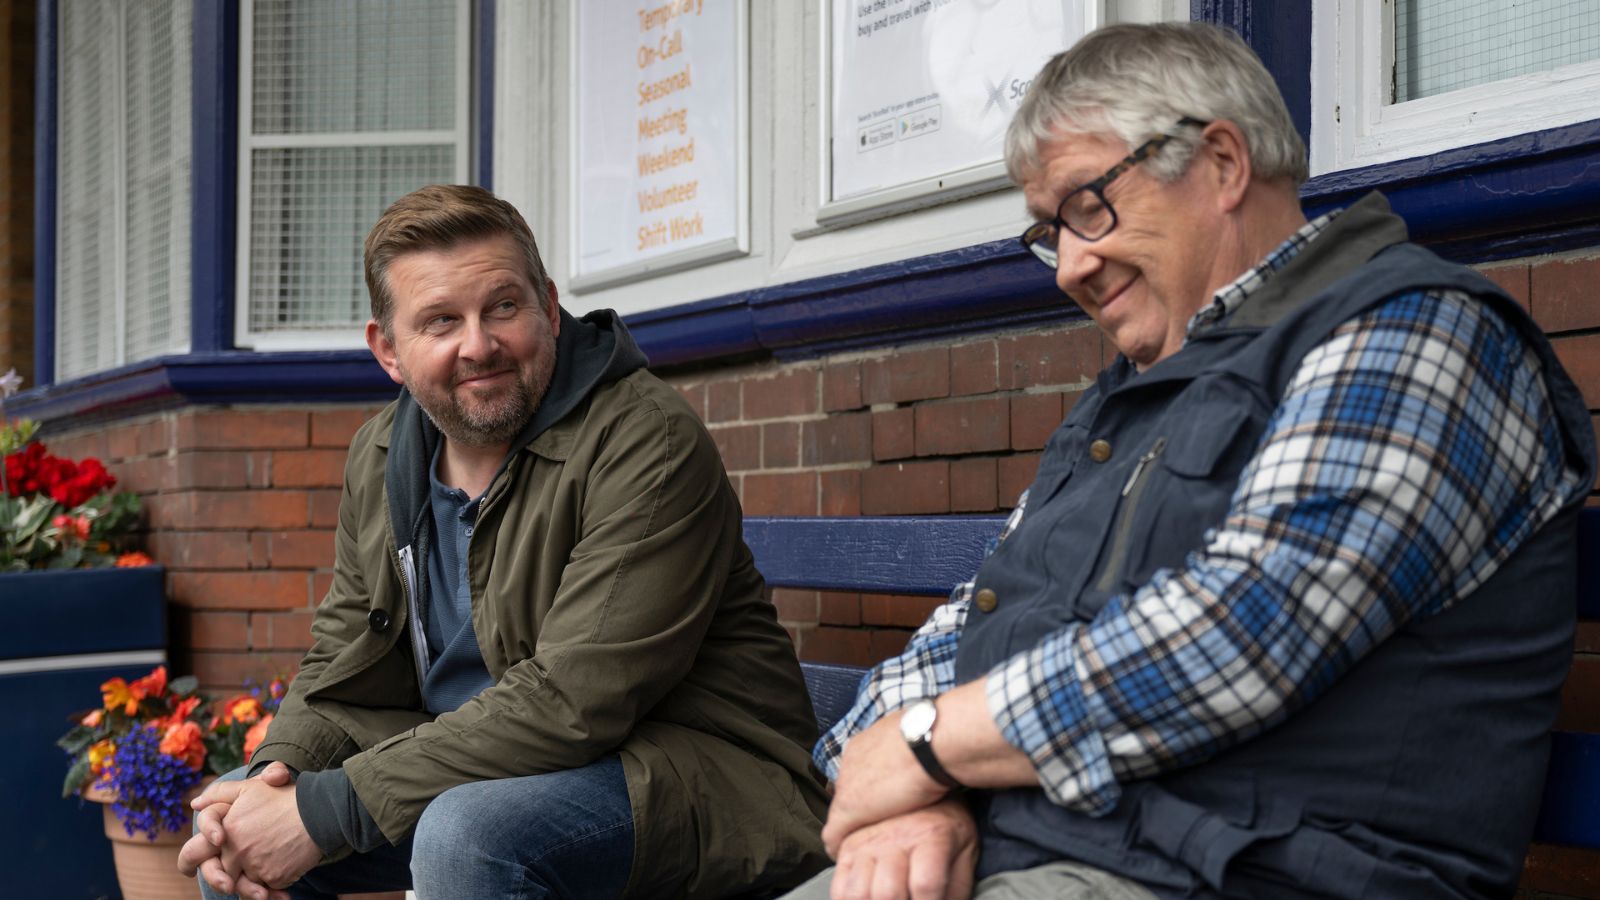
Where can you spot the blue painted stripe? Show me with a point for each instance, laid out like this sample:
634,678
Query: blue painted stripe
215,116
483,92
44,199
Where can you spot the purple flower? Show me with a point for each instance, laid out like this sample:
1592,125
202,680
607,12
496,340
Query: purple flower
149,785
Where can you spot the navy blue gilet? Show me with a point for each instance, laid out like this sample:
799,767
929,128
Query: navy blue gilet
1417,774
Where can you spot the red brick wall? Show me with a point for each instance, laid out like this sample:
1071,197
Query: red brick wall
242,502
16,185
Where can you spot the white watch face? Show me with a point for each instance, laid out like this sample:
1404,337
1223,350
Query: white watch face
918,719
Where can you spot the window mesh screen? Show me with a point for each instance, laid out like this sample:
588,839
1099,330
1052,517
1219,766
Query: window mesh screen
1447,45
157,177
310,209
332,67
122,251
329,81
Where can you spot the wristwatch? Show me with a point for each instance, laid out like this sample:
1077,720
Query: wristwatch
916,726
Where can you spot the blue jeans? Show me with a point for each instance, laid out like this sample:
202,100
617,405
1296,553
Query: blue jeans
564,834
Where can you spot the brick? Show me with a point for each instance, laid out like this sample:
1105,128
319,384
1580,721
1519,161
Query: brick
1580,356
977,425
885,643
740,446
797,637
1034,417
154,437
840,492
299,549
842,646
1513,279
1108,350
145,476
1014,476
841,387
200,549
839,608
906,488
121,443
1561,871
1580,696
793,393
780,445
974,369
794,605
1066,357
282,630
1588,637
260,551
308,468
894,434
842,438
722,401
254,429
780,494
228,671
906,376
218,630
222,469
337,427
321,583
973,485
897,610
1563,295
325,508
247,509
239,590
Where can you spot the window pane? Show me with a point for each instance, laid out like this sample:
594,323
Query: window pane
346,66
310,209
159,37
86,250
1447,45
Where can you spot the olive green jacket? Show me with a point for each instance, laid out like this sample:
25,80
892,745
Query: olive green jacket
618,609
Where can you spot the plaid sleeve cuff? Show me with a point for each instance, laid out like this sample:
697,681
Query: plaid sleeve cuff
1036,698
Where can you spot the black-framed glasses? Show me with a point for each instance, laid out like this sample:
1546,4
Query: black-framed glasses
1085,211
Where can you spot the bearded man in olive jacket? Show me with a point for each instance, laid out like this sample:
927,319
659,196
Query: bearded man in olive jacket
545,666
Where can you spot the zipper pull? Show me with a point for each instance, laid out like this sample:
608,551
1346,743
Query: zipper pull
1138,467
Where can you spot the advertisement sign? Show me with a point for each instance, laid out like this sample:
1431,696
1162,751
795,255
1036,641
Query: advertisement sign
921,91
661,145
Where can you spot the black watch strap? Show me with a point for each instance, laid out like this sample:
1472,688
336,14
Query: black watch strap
923,751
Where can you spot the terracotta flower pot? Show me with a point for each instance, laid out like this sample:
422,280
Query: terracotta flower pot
146,869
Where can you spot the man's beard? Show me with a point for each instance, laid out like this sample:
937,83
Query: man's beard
492,422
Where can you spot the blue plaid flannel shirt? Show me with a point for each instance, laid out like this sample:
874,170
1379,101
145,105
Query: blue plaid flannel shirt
1412,452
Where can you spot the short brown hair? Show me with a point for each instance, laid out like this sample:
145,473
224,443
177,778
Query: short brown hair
439,217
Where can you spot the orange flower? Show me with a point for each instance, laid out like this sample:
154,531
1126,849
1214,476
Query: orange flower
117,693
180,713
100,756
184,742
72,527
152,685
277,689
92,720
243,708
134,559
254,737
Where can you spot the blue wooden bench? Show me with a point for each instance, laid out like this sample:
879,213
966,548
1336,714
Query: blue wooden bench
930,555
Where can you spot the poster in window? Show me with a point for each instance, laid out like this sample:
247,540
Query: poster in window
921,91
660,146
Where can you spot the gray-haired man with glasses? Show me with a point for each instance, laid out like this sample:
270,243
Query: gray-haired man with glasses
1287,609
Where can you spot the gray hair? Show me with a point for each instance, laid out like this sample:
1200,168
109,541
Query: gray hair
1137,81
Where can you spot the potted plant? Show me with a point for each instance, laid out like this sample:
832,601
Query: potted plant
144,753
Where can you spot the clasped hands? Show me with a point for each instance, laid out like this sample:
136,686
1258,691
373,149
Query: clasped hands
893,831
249,839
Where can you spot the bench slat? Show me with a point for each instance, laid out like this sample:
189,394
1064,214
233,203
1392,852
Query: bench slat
1570,813
887,555
1589,564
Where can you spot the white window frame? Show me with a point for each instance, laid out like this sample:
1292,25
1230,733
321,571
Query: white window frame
1353,125
459,135
116,341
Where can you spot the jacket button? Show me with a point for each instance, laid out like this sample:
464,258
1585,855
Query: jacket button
1100,451
986,600
378,619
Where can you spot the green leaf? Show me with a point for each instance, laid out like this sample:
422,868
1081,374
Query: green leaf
77,740
184,686
76,776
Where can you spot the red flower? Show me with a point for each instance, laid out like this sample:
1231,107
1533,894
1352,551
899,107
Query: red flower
134,559
71,484
72,527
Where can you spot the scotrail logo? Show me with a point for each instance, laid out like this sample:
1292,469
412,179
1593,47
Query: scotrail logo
1005,95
